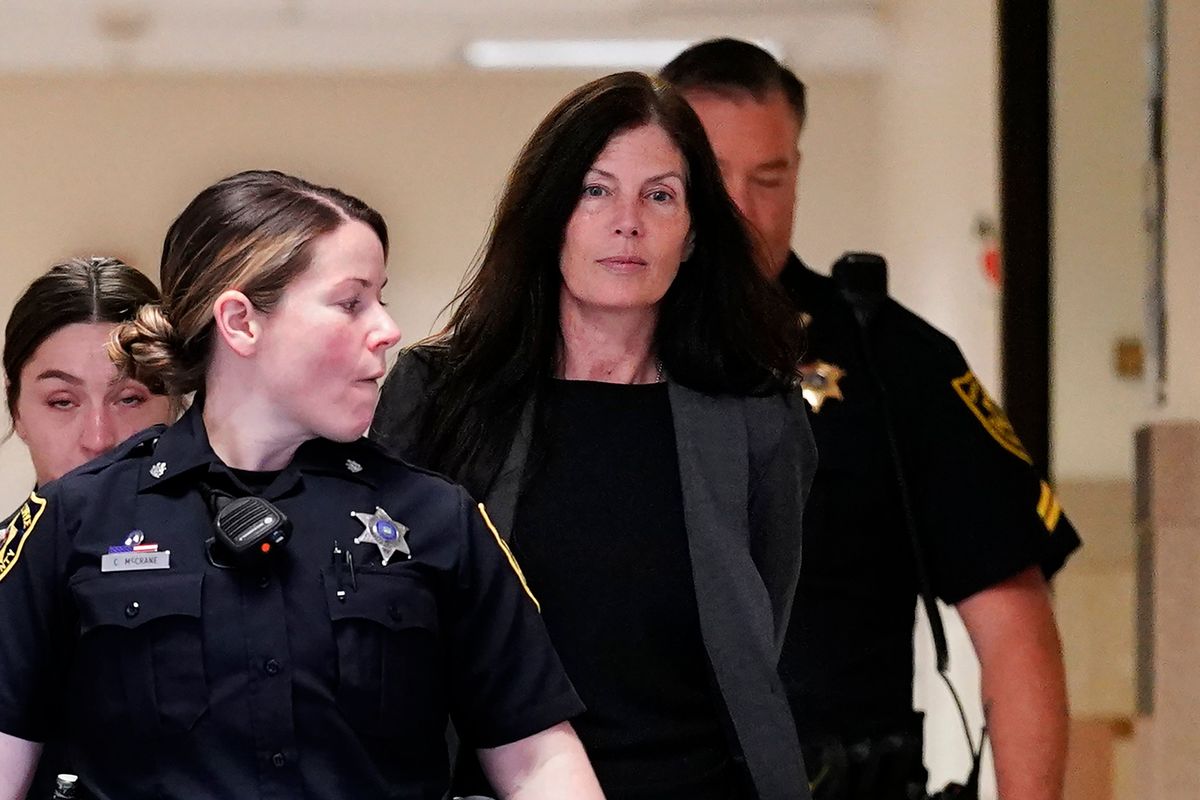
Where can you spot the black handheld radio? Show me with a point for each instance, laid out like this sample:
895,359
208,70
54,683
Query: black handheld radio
862,280
248,529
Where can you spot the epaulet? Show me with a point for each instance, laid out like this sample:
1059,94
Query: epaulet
371,449
922,329
810,291
140,444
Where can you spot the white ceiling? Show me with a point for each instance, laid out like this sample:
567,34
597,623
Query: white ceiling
400,35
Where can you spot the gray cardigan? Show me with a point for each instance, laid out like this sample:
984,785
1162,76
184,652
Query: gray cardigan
745,466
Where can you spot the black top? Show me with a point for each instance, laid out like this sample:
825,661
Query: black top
600,533
745,465
54,753
292,680
982,512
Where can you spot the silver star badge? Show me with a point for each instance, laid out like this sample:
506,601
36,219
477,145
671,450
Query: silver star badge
158,470
353,465
383,532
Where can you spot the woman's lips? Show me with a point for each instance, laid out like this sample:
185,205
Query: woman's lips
622,263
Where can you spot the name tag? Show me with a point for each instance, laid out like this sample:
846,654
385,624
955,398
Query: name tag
128,562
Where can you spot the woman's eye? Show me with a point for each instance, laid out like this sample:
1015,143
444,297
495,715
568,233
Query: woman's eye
660,196
593,191
132,400
351,305
64,404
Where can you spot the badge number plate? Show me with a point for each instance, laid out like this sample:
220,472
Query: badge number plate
131,562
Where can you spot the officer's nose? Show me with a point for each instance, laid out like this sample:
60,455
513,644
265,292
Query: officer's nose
386,334
99,433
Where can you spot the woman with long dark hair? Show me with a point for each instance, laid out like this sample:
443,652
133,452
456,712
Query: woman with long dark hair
615,382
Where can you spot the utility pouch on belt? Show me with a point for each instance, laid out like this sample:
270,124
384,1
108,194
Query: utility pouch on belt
885,766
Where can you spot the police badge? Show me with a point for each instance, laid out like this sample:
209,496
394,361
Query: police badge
819,382
384,532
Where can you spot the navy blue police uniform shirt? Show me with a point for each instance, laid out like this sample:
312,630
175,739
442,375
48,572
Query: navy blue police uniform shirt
983,513
53,759
294,679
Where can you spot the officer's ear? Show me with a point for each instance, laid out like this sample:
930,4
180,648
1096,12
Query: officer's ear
689,245
239,323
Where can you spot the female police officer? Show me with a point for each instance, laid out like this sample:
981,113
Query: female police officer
159,616
67,401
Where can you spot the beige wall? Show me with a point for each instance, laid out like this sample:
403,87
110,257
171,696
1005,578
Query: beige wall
101,165
840,205
1099,150
1100,270
940,167
1166,740
1183,209
1099,154
1100,283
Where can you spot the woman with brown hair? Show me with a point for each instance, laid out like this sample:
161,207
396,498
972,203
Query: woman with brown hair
615,383
67,401
256,602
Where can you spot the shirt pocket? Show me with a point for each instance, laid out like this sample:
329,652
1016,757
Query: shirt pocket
140,663
852,519
390,668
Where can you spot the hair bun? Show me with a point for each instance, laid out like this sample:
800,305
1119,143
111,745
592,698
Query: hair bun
149,349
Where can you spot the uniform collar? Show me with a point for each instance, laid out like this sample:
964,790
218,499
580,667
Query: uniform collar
358,460
184,449
798,281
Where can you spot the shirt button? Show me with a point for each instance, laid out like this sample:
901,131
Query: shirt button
264,581
132,609
279,759
272,667
396,612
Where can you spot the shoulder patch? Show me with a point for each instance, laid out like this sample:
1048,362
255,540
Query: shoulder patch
1048,508
18,530
512,560
990,414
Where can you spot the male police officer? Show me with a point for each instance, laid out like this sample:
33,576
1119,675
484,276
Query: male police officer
902,425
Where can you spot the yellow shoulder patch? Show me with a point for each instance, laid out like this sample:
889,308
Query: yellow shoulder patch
1048,508
512,560
990,414
18,530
